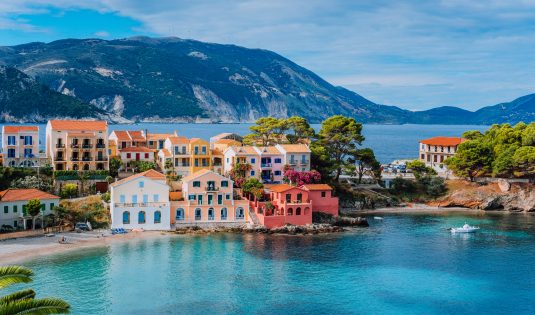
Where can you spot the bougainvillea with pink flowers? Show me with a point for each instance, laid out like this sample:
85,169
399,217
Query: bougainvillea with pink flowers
302,178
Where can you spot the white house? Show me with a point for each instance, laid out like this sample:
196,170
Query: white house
13,206
141,201
296,156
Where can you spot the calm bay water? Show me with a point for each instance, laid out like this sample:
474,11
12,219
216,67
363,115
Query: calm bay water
390,142
404,264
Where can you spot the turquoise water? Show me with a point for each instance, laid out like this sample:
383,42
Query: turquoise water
404,264
389,142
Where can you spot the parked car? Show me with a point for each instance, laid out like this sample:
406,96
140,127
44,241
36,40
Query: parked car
6,228
80,226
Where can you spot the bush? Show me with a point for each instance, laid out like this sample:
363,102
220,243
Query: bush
69,191
106,196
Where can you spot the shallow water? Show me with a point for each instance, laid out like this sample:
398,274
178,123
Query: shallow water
404,264
389,142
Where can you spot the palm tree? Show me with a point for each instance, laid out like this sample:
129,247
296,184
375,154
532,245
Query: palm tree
24,302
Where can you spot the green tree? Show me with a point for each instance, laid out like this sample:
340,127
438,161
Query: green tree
337,142
419,169
366,163
266,131
168,166
32,182
528,135
24,302
503,165
115,165
69,191
473,157
34,209
524,161
251,184
472,134
301,129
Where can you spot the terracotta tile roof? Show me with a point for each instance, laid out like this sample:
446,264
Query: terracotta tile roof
80,134
217,152
136,135
245,150
281,187
268,150
129,135
193,140
443,141
137,149
121,135
160,136
24,194
166,153
152,174
175,195
226,141
196,174
17,129
317,187
178,140
97,125
297,148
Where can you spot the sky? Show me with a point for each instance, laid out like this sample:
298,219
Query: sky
413,54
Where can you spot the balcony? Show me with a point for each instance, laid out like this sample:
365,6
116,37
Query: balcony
60,145
141,204
86,158
75,145
101,145
87,146
265,165
211,188
102,158
59,158
75,158
304,162
292,162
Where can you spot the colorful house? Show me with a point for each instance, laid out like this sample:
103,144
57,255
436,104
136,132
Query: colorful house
201,155
296,156
434,151
141,201
321,196
122,139
13,204
130,154
20,145
208,198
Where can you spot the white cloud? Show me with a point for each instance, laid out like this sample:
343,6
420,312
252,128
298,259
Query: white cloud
102,34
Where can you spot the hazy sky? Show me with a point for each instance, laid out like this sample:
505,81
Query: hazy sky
414,54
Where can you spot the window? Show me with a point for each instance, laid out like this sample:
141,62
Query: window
10,153
52,206
224,213
298,211
290,211
146,155
228,160
219,199
199,199
196,183
191,197
183,150
288,197
253,160
277,173
197,214
323,194
28,140
177,151
176,162
145,198
6,209
126,217
122,199
155,197
179,214
157,217
224,183
210,199
252,173
15,208
128,155
204,150
228,197
141,217
278,160
28,152
211,215
134,198
196,150
141,184
10,140
240,214
299,197
196,162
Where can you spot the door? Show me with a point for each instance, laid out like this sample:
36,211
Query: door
137,156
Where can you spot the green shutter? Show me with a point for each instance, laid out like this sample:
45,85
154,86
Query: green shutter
43,207
15,209
6,209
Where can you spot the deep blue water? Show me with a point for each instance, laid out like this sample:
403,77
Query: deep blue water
389,142
405,264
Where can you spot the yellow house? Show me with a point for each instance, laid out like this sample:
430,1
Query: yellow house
201,155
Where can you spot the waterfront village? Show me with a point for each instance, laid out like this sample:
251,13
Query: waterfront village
167,181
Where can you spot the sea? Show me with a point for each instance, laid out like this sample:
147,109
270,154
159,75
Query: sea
402,264
389,142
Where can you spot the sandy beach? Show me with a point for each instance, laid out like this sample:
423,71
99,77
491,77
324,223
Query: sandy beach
22,249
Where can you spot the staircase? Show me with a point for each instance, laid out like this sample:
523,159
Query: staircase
253,217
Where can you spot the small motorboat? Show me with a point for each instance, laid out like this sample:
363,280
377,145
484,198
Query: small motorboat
465,229
378,218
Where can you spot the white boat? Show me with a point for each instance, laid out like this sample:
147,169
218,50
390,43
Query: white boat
377,218
465,229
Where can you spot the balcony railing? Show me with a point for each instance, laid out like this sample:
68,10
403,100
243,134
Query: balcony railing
197,217
211,188
59,158
100,145
86,146
141,204
86,158
75,159
60,145
292,162
102,158
265,165
304,161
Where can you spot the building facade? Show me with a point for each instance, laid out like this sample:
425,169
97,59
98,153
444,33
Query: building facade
209,198
123,139
321,196
77,144
296,156
20,146
141,201
435,151
13,204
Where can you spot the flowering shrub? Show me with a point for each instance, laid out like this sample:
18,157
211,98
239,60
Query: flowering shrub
302,178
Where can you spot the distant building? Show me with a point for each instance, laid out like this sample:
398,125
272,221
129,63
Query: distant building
123,139
141,201
20,146
77,144
13,204
130,154
434,151
208,198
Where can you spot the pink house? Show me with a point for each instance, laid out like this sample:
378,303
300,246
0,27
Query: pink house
322,198
283,204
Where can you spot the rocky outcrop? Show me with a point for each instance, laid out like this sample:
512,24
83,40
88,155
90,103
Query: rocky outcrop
501,195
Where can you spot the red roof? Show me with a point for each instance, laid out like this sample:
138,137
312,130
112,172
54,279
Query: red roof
24,194
89,125
443,141
282,187
317,187
129,135
16,129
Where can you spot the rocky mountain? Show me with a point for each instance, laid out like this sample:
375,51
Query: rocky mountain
24,99
171,79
